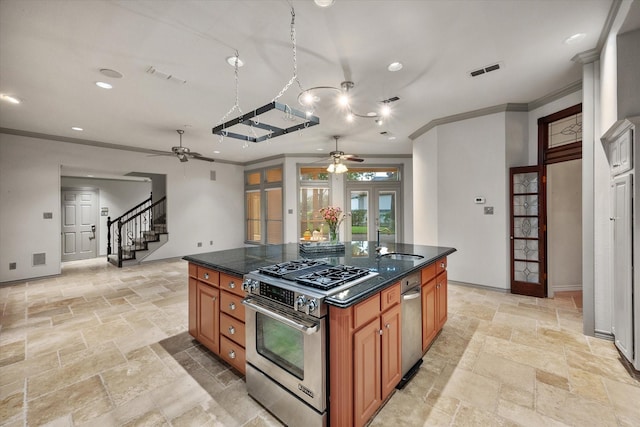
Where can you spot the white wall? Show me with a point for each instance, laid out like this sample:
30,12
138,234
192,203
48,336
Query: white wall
564,226
199,210
471,162
117,196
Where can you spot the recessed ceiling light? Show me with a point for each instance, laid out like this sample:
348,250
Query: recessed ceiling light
324,3
104,85
216,152
319,149
90,176
232,61
111,73
391,138
395,66
574,38
9,98
76,128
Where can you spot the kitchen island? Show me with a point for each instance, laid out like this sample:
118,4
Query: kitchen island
358,330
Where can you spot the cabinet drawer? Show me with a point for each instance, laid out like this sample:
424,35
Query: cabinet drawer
390,296
428,273
366,310
193,270
209,276
441,265
232,305
233,354
232,284
232,328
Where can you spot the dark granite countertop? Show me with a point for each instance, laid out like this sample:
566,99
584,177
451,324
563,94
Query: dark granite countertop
360,254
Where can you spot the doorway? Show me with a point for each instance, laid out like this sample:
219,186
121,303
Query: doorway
374,209
554,262
564,226
79,223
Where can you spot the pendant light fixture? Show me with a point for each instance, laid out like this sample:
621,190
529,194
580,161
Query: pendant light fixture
311,98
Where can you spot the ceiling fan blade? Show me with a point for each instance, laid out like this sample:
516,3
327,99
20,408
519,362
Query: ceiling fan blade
354,159
201,157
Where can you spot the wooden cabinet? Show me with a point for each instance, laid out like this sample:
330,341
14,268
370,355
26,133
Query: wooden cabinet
391,363
434,300
367,371
208,314
365,347
216,313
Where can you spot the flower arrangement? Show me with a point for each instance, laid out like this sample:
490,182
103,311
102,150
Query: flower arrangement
333,216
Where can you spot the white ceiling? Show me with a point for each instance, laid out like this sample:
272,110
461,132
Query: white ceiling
51,52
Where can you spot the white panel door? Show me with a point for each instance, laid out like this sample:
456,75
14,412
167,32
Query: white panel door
621,216
79,215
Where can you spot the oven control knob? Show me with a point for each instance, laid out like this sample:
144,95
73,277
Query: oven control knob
312,304
249,285
301,301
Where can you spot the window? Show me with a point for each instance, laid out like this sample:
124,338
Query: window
313,195
263,206
560,136
373,174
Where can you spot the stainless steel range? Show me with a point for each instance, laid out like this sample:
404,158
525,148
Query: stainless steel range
286,335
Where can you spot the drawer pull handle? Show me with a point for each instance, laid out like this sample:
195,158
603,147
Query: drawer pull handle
232,285
387,325
206,276
232,354
214,298
232,306
232,330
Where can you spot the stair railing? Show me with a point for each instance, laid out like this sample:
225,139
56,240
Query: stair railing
129,229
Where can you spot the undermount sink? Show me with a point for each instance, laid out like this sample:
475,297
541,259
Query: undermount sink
401,256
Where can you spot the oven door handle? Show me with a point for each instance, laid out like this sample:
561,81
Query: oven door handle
309,329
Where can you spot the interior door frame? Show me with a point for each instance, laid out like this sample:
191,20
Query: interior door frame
536,289
374,188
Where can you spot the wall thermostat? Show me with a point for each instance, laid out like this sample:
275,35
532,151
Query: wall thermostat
479,200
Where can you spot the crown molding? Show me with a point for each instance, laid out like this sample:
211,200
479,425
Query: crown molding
93,143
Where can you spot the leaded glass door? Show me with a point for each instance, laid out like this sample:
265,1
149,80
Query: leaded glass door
528,230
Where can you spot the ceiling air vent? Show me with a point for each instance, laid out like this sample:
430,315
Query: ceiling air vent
392,99
484,70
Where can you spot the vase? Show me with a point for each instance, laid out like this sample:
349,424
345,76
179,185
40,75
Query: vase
333,234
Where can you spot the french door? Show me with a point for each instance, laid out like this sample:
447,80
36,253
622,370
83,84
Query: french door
373,208
528,231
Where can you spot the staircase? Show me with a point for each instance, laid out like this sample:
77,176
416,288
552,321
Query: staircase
137,233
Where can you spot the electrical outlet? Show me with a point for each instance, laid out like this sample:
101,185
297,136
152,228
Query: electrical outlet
199,244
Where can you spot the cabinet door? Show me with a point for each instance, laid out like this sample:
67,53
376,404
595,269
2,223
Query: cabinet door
441,289
391,358
208,317
429,313
193,304
366,375
621,214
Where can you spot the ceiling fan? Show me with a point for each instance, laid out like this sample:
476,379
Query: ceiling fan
183,153
337,157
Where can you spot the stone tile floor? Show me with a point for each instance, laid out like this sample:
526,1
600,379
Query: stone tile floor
101,346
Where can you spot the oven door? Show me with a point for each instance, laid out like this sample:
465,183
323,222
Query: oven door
288,347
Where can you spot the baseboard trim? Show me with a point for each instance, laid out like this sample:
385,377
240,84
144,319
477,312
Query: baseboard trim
603,335
473,285
566,288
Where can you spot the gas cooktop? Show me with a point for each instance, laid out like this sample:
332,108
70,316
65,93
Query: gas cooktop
316,274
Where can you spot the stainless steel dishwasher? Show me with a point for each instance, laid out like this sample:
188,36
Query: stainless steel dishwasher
411,327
